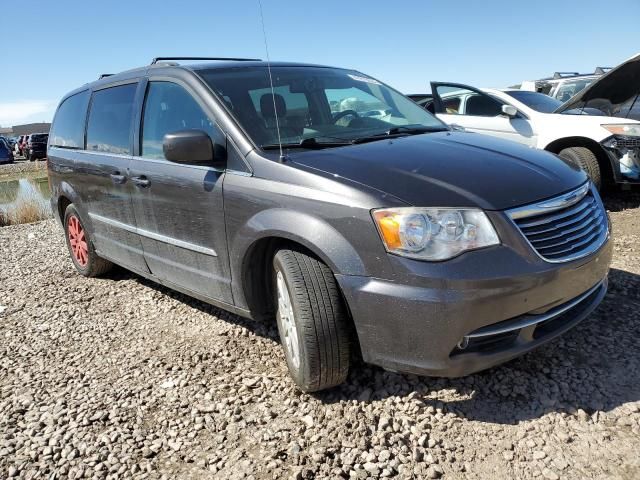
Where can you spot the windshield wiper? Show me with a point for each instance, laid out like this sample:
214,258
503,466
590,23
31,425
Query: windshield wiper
310,143
399,131
393,132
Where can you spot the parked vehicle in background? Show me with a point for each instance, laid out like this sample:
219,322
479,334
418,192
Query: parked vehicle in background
563,85
6,155
437,252
36,146
24,146
607,148
18,146
615,94
12,142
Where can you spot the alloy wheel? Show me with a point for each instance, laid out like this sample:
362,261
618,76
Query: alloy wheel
78,241
288,322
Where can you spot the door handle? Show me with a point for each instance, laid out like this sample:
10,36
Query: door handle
116,177
141,181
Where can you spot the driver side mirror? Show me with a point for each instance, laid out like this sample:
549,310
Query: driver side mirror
509,110
189,146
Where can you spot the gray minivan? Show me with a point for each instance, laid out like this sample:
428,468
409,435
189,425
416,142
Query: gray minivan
326,199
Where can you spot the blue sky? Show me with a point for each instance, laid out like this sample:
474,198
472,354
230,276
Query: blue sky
405,44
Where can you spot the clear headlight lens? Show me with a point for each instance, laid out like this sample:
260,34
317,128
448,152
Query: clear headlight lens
434,233
626,129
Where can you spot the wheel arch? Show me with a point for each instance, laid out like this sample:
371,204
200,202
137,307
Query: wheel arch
258,286
607,167
253,250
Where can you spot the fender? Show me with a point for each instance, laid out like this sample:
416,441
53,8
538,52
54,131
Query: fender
65,189
62,189
311,232
604,156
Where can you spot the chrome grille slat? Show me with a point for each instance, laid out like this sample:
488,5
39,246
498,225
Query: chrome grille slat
571,238
566,233
551,218
579,244
560,225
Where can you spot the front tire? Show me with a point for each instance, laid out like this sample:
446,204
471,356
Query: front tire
312,321
81,250
585,159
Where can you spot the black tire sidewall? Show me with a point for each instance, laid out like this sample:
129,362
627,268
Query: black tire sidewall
589,165
302,374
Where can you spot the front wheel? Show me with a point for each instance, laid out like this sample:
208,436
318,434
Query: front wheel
586,160
80,246
312,321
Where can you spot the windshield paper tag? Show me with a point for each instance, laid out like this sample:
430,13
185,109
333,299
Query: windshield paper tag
364,79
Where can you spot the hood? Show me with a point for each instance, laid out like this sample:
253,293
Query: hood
449,169
614,94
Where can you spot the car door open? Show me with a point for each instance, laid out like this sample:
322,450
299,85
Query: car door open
476,111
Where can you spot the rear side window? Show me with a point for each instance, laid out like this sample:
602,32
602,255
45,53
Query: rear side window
67,130
110,117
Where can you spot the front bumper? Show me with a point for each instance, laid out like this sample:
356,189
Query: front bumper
471,313
39,152
624,155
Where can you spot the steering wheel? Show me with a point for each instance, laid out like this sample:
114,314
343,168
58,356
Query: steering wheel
337,116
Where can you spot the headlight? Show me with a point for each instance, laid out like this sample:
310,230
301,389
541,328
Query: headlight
434,233
625,129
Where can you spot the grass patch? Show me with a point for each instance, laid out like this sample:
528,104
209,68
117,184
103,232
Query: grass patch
26,210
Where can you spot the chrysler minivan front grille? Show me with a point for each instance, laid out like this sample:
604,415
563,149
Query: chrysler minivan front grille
564,228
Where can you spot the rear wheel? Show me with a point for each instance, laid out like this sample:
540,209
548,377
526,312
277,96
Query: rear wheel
585,159
80,246
312,321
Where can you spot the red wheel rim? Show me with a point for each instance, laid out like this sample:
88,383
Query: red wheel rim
77,241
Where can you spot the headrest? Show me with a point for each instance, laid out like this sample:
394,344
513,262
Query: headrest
266,105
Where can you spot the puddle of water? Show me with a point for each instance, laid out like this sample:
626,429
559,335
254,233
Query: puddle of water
15,192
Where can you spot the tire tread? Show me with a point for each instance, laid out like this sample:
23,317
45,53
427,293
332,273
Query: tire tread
322,318
586,160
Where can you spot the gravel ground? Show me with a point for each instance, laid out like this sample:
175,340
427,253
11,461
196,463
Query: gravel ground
117,377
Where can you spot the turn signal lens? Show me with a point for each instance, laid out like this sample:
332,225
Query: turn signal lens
624,129
389,228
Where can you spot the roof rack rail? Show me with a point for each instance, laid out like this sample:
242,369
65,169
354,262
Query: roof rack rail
103,75
602,70
557,75
230,59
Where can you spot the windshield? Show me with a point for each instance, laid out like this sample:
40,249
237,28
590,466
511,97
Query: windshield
536,101
568,89
324,104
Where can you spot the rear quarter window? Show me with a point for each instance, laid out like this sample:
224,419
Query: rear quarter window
67,130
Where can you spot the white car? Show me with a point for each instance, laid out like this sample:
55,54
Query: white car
607,148
583,129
